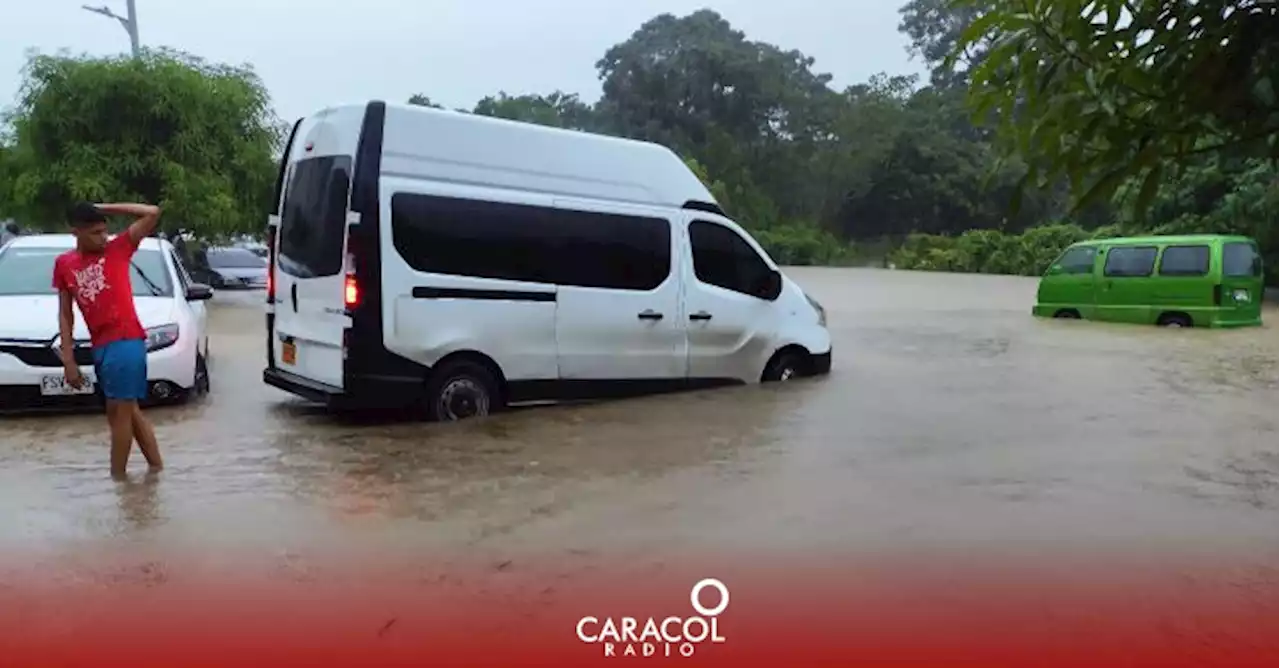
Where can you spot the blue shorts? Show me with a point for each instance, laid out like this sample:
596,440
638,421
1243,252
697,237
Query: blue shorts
121,367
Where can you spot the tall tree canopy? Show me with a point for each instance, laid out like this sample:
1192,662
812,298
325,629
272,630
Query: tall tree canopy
1104,91
169,128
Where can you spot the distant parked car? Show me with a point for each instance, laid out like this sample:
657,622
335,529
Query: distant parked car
230,267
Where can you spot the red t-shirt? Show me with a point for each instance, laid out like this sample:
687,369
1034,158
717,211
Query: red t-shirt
99,282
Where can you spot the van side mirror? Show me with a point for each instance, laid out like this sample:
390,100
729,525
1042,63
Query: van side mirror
199,292
769,286
1055,269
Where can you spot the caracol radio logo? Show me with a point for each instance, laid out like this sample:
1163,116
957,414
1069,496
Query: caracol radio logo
667,637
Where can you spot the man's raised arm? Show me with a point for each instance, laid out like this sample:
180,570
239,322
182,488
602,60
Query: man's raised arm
148,216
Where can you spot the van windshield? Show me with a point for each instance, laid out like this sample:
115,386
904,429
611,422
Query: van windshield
1240,259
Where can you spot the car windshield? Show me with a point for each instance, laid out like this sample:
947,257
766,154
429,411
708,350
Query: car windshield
29,271
234,258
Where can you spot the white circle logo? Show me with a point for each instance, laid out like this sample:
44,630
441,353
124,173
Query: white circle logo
719,587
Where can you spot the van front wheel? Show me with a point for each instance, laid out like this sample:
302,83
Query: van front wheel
461,389
1174,320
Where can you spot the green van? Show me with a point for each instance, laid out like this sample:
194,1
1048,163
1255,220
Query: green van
1174,281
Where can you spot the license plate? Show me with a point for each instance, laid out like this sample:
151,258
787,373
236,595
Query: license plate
57,386
289,353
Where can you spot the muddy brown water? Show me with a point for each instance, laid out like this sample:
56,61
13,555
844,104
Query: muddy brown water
951,417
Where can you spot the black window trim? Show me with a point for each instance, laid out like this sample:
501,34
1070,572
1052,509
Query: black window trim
1113,249
1208,255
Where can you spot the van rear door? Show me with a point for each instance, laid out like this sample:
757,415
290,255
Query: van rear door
310,270
1241,293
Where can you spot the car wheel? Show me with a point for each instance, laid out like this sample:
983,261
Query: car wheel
785,366
461,389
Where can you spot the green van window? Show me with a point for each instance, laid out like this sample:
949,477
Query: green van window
1078,260
1240,259
1130,261
1184,261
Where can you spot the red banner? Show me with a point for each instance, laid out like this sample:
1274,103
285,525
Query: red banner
783,610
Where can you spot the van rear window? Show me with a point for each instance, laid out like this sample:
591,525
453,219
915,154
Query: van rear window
314,218
1240,259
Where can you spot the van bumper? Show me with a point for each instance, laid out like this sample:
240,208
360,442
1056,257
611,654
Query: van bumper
323,393
820,365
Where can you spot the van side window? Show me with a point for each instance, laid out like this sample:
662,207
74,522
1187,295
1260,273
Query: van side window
721,257
313,224
1131,261
1240,260
1078,260
1184,261
519,242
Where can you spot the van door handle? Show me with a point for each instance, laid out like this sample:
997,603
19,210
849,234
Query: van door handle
649,314
700,315
293,296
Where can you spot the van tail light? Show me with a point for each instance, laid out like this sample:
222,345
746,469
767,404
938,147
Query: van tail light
350,284
271,264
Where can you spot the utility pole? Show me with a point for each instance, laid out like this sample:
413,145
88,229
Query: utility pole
129,22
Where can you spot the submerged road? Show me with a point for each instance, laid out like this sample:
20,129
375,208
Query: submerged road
951,415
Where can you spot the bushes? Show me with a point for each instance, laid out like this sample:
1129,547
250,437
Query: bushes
800,244
991,251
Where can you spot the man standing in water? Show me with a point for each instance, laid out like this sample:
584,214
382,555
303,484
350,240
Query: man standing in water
95,276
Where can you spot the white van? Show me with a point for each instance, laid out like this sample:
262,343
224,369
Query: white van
458,263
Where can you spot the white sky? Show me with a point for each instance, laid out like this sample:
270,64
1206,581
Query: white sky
455,52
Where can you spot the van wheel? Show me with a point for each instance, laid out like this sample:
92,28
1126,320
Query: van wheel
461,389
786,365
1067,314
1174,320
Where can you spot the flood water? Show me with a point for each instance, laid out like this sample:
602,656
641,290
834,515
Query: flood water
951,416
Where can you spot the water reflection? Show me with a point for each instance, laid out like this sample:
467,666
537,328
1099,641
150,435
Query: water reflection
138,499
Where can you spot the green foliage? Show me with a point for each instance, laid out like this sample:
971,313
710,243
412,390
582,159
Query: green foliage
988,251
167,128
1106,91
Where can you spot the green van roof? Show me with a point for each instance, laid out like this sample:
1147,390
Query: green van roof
1166,239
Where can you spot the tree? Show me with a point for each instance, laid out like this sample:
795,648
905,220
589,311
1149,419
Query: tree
560,110
935,28
168,128
1112,90
420,100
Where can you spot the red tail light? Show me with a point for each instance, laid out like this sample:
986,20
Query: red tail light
351,292
350,286
271,264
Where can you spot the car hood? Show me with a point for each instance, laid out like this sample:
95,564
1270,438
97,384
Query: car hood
36,316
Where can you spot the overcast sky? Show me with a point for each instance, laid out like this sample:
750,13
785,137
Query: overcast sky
453,51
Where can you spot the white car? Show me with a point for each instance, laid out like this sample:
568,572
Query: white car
170,306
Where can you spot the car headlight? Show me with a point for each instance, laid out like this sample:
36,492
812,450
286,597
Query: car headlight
822,312
159,338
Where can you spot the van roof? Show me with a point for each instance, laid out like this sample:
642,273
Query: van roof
471,149
1165,239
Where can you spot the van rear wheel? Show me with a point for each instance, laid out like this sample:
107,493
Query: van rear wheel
1067,314
461,389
